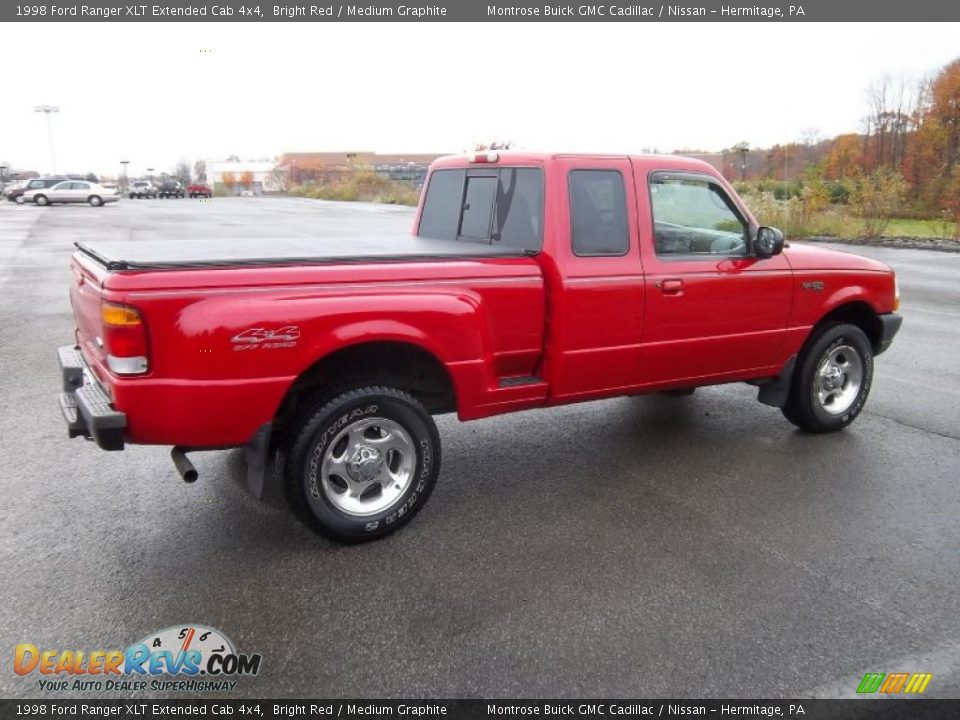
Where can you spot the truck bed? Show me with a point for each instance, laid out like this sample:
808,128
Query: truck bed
242,252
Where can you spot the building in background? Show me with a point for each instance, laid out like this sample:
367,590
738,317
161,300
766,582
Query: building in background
305,167
240,177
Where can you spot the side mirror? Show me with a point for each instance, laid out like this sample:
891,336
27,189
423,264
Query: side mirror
769,242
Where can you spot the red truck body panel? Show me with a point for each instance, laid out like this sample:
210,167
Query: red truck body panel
227,343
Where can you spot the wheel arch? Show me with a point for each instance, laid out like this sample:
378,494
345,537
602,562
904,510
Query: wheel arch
398,363
856,312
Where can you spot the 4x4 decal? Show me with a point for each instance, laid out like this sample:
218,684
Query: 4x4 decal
253,338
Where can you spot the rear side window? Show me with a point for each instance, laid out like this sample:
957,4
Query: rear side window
497,206
598,213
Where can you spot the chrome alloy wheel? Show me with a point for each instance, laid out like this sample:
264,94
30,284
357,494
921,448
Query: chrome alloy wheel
368,466
838,379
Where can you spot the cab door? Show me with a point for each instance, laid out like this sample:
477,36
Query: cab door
596,309
713,309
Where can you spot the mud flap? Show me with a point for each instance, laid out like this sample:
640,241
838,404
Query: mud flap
776,392
257,453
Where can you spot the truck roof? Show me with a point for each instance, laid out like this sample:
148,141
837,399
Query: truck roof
513,157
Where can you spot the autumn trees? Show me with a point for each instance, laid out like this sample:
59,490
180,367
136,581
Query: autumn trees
908,151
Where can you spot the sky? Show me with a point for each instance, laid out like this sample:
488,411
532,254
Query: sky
158,93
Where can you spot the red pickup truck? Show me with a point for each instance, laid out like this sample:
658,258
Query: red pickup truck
530,280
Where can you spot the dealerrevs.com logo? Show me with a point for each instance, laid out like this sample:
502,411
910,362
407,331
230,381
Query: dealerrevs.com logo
183,657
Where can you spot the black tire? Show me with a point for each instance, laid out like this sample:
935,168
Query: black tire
804,408
41,200
317,435
95,200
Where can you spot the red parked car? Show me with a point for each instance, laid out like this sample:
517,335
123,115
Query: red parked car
199,190
530,280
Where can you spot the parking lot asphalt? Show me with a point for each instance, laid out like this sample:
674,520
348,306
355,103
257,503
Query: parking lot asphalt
635,547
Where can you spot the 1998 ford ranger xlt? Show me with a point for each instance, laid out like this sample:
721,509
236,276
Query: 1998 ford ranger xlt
530,280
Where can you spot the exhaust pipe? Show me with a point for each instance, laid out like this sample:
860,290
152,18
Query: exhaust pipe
186,469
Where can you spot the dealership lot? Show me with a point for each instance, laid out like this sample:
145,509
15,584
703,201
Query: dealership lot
632,547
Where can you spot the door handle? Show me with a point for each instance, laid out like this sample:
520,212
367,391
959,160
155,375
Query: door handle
671,286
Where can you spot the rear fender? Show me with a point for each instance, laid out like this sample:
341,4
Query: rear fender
453,327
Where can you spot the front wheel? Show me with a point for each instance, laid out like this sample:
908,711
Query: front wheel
41,200
832,380
362,464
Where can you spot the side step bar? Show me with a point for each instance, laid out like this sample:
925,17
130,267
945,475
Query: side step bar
516,380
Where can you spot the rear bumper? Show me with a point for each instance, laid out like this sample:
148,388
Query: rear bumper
889,326
84,403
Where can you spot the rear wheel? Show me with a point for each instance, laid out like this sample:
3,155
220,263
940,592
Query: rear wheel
95,200
362,464
832,379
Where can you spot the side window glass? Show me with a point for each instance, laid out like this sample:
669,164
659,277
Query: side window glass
694,217
598,213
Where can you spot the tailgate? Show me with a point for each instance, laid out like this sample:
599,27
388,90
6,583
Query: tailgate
85,294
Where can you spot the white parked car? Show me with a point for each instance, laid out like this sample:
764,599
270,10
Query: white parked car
72,191
142,189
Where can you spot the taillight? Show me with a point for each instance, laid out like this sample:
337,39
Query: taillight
124,339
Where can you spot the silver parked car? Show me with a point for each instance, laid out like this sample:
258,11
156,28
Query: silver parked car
71,191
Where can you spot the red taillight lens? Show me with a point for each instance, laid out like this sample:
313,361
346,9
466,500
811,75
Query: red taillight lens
483,156
124,339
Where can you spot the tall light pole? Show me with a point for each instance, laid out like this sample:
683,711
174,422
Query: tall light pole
743,148
49,110
125,182
150,174
3,177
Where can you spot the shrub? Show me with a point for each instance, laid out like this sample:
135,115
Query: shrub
876,198
802,215
839,192
359,186
951,203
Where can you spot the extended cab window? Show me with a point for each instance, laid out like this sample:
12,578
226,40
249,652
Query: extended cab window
598,213
499,206
693,216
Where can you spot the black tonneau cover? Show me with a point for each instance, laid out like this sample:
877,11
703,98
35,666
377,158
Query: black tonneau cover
240,252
